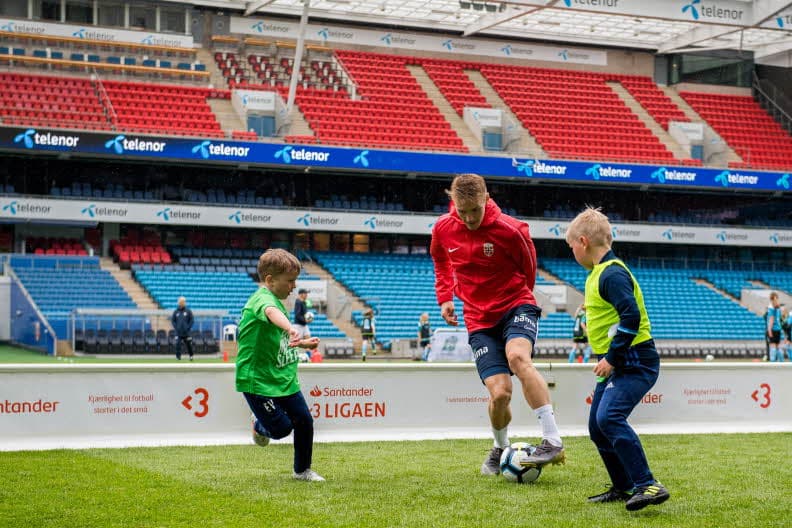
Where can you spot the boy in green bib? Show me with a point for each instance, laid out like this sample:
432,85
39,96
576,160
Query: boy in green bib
266,365
628,364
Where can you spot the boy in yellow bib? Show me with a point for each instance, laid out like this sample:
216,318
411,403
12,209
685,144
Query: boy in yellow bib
628,363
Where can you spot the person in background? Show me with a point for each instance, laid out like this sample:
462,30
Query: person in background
368,332
773,329
786,328
182,321
300,310
424,336
580,337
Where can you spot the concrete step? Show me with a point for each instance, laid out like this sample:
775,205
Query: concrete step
135,291
226,115
442,104
527,144
299,125
648,121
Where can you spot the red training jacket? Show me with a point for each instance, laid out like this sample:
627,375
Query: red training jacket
491,269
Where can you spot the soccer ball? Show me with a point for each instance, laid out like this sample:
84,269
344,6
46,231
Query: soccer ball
309,316
510,463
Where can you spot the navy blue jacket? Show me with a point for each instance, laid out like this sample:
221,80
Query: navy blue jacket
182,320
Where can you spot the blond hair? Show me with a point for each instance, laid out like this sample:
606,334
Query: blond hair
593,225
467,187
277,262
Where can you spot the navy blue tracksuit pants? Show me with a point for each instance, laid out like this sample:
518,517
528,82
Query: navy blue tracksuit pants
618,444
277,417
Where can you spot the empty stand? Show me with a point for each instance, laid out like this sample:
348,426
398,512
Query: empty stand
758,139
653,99
40,101
164,109
575,114
454,84
58,285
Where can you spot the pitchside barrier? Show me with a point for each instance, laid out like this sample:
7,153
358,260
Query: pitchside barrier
79,406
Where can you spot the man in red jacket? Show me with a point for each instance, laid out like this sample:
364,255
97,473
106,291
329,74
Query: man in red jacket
488,260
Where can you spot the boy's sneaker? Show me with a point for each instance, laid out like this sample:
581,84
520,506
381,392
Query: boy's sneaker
258,439
309,475
643,496
491,465
546,453
612,495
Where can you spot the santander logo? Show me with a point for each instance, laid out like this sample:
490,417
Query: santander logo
651,398
316,391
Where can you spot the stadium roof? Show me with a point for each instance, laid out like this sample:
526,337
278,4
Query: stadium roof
666,26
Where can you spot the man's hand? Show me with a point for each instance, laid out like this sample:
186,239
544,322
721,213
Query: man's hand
309,343
447,313
603,369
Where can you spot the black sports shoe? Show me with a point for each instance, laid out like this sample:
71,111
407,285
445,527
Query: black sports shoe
546,453
612,495
491,465
645,495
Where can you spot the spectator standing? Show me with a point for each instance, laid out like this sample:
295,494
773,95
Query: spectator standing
424,336
368,333
580,336
182,321
773,329
300,310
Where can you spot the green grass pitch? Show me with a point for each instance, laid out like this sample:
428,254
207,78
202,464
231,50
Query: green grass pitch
715,481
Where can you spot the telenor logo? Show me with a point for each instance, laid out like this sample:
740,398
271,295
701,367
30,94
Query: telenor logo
507,49
89,210
774,238
659,175
284,154
305,219
361,158
556,230
723,178
120,144
80,33
447,44
668,234
323,33
783,181
165,213
386,39
11,207
26,137
564,54
598,171
207,149
721,236
30,138
8,27
148,40
371,222
236,217
526,167
692,8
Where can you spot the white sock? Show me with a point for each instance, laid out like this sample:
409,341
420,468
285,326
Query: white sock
501,437
549,428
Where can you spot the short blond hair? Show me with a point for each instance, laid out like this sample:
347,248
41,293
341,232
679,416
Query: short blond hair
467,187
592,224
277,262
